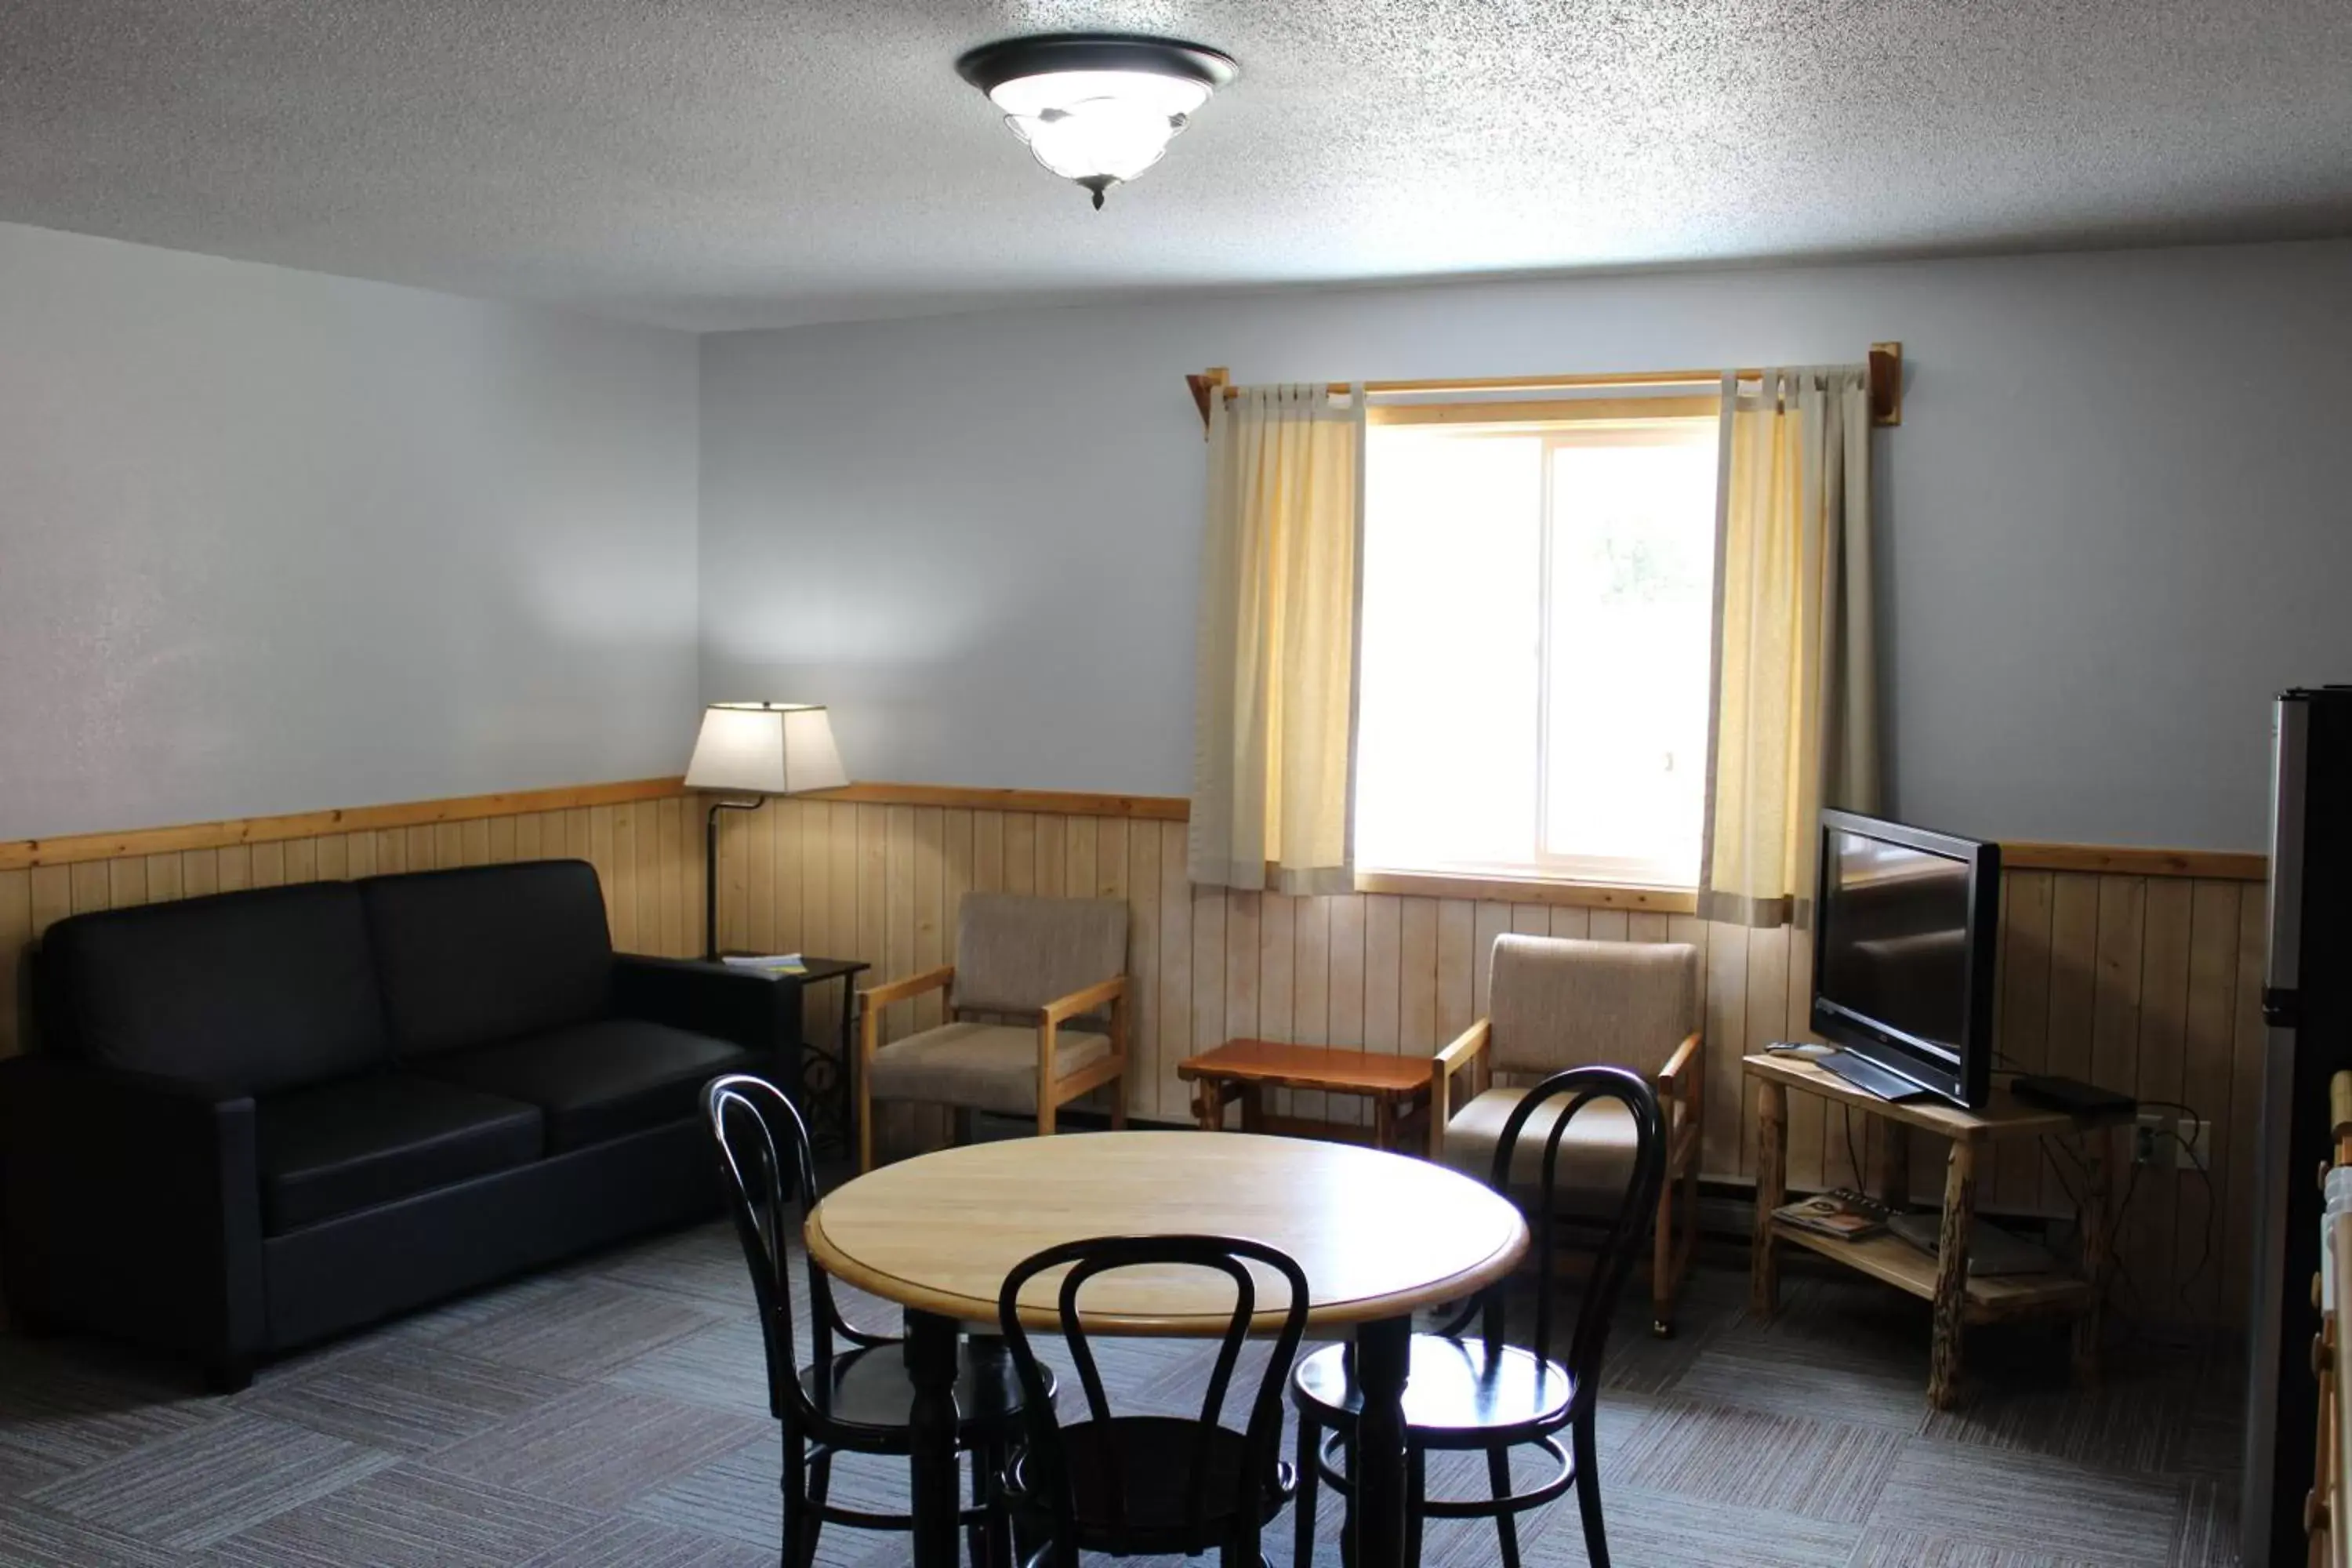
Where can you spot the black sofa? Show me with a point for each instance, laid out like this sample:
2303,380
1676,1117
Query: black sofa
253,1120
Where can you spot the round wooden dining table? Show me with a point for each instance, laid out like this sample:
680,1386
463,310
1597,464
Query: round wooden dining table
1378,1237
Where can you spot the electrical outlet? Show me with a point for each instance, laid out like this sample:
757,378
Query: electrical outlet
2153,1140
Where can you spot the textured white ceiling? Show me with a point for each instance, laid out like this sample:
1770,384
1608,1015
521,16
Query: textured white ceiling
716,164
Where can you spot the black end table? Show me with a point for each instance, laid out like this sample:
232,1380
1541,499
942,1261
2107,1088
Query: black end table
828,1079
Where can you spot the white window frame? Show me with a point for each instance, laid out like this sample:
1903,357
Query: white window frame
1587,422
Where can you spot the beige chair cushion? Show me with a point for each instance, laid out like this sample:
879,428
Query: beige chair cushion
1557,1003
1595,1157
1015,952
987,1067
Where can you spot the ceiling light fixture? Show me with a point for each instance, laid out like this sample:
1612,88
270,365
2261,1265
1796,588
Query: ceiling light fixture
1096,108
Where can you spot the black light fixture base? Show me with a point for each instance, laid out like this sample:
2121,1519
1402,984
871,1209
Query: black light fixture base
990,66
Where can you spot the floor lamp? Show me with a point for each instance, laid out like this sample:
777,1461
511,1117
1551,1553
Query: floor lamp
755,749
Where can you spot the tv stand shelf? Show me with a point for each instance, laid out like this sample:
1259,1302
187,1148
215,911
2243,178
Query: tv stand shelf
1942,1278
1990,1298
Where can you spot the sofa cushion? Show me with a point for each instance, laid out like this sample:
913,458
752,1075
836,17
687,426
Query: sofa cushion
488,953
334,1148
597,1081
252,991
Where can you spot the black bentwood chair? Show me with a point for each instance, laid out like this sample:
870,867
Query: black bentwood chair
857,1399
1467,1394
1152,1485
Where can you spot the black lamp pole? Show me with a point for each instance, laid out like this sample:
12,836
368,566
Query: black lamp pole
711,869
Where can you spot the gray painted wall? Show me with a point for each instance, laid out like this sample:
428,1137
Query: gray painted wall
2118,514
271,540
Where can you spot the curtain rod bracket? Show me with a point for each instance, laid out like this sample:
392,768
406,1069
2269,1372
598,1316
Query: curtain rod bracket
1204,384
1886,383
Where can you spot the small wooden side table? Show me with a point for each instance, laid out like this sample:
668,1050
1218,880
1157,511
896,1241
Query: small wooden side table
1245,1070
1942,1278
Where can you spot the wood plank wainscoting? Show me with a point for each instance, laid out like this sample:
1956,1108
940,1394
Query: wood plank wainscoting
2136,969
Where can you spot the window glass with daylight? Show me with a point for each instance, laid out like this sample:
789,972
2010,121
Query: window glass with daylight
1538,594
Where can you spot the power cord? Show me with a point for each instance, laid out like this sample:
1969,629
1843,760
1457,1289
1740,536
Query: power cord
2120,1265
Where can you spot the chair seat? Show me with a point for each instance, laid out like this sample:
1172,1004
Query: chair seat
1455,1396
1594,1155
1154,1457
595,1082
985,1066
867,1398
332,1149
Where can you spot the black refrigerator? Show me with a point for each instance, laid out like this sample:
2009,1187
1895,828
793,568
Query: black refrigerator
2307,1004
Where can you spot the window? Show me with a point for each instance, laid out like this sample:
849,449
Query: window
1538,586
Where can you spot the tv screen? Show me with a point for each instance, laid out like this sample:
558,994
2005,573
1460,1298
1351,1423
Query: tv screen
1903,954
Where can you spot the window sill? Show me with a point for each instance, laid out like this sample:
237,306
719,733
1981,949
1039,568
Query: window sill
1530,891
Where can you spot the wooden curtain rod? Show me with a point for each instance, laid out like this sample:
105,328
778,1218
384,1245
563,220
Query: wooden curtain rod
1885,382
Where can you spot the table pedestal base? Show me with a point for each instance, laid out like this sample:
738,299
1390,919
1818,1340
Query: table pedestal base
932,1360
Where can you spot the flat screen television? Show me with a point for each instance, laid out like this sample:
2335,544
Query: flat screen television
1905,922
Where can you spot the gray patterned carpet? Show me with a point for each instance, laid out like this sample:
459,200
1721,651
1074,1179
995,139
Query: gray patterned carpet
612,1413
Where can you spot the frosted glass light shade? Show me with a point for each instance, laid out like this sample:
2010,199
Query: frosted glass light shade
1098,109
1098,125
765,748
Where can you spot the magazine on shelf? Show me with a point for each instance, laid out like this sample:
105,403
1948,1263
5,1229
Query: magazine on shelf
1844,1214
771,963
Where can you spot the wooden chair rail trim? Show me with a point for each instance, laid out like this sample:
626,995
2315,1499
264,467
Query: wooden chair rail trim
17,855
2127,860
21,854
1046,802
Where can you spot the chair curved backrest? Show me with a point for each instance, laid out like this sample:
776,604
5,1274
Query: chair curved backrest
1620,1244
1017,951
1562,1002
771,1183
1262,1438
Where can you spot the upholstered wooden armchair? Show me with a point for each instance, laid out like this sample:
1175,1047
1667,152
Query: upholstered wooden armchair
1048,979
1555,1004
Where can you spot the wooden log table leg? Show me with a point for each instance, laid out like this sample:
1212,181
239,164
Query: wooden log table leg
1771,1192
2098,1249
1383,1122
1209,1104
1952,1275
1891,1174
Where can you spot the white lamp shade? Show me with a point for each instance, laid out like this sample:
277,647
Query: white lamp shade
765,748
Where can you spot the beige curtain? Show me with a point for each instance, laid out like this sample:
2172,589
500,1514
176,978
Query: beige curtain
1274,701
1796,698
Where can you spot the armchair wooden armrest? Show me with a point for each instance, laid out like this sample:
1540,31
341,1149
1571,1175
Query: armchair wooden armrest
1053,1090
872,1000
1680,1083
1063,1009
1468,1048
1677,1070
938,979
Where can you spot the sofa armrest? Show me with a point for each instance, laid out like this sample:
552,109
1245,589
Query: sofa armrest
756,1010
130,1205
